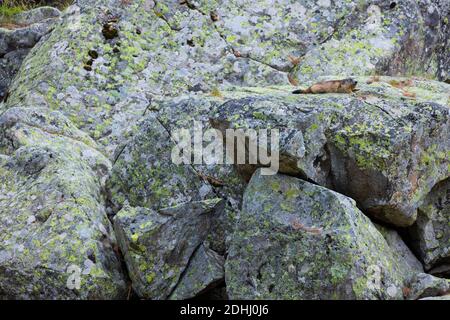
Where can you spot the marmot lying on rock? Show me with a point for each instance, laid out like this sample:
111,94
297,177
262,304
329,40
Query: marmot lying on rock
331,86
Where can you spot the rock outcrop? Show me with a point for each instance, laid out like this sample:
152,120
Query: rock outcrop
380,147
55,239
104,83
296,240
18,35
88,130
431,232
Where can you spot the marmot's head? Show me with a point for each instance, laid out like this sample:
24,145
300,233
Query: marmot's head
349,83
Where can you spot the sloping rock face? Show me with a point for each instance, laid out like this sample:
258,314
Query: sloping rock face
90,122
317,134
52,218
379,147
167,219
22,32
296,240
431,231
106,60
380,37
164,250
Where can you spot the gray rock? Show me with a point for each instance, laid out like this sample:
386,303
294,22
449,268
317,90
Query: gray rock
145,176
431,232
400,249
159,246
372,156
25,30
425,285
204,272
441,298
296,240
376,37
168,48
56,241
80,94
9,65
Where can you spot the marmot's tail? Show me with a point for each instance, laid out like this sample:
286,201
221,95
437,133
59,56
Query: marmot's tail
301,91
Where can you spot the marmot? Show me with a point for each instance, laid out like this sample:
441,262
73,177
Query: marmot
331,86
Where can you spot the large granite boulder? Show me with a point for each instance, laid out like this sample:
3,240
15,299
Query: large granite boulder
164,250
297,240
56,241
430,234
377,37
385,146
101,97
167,224
18,34
107,59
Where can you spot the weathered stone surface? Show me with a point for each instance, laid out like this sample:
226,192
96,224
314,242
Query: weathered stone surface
380,147
9,65
25,30
296,240
377,37
400,249
441,298
425,285
52,217
205,270
443,54
167,259
145,176
109,64
158,246
431,232
421,284
165,48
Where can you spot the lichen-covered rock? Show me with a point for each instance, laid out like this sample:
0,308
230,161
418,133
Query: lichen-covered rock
161,247
296,240
98,88
400,249
385,146
9,65
205,270
35,15
23,32
425,285
55,239
169,212
443,54
108,59
145,176
441,298
378,37
430,234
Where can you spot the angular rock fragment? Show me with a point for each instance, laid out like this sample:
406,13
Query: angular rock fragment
296,240
17,36
425,285
160,248
204,272
168,48
55,239
381,149
430,234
